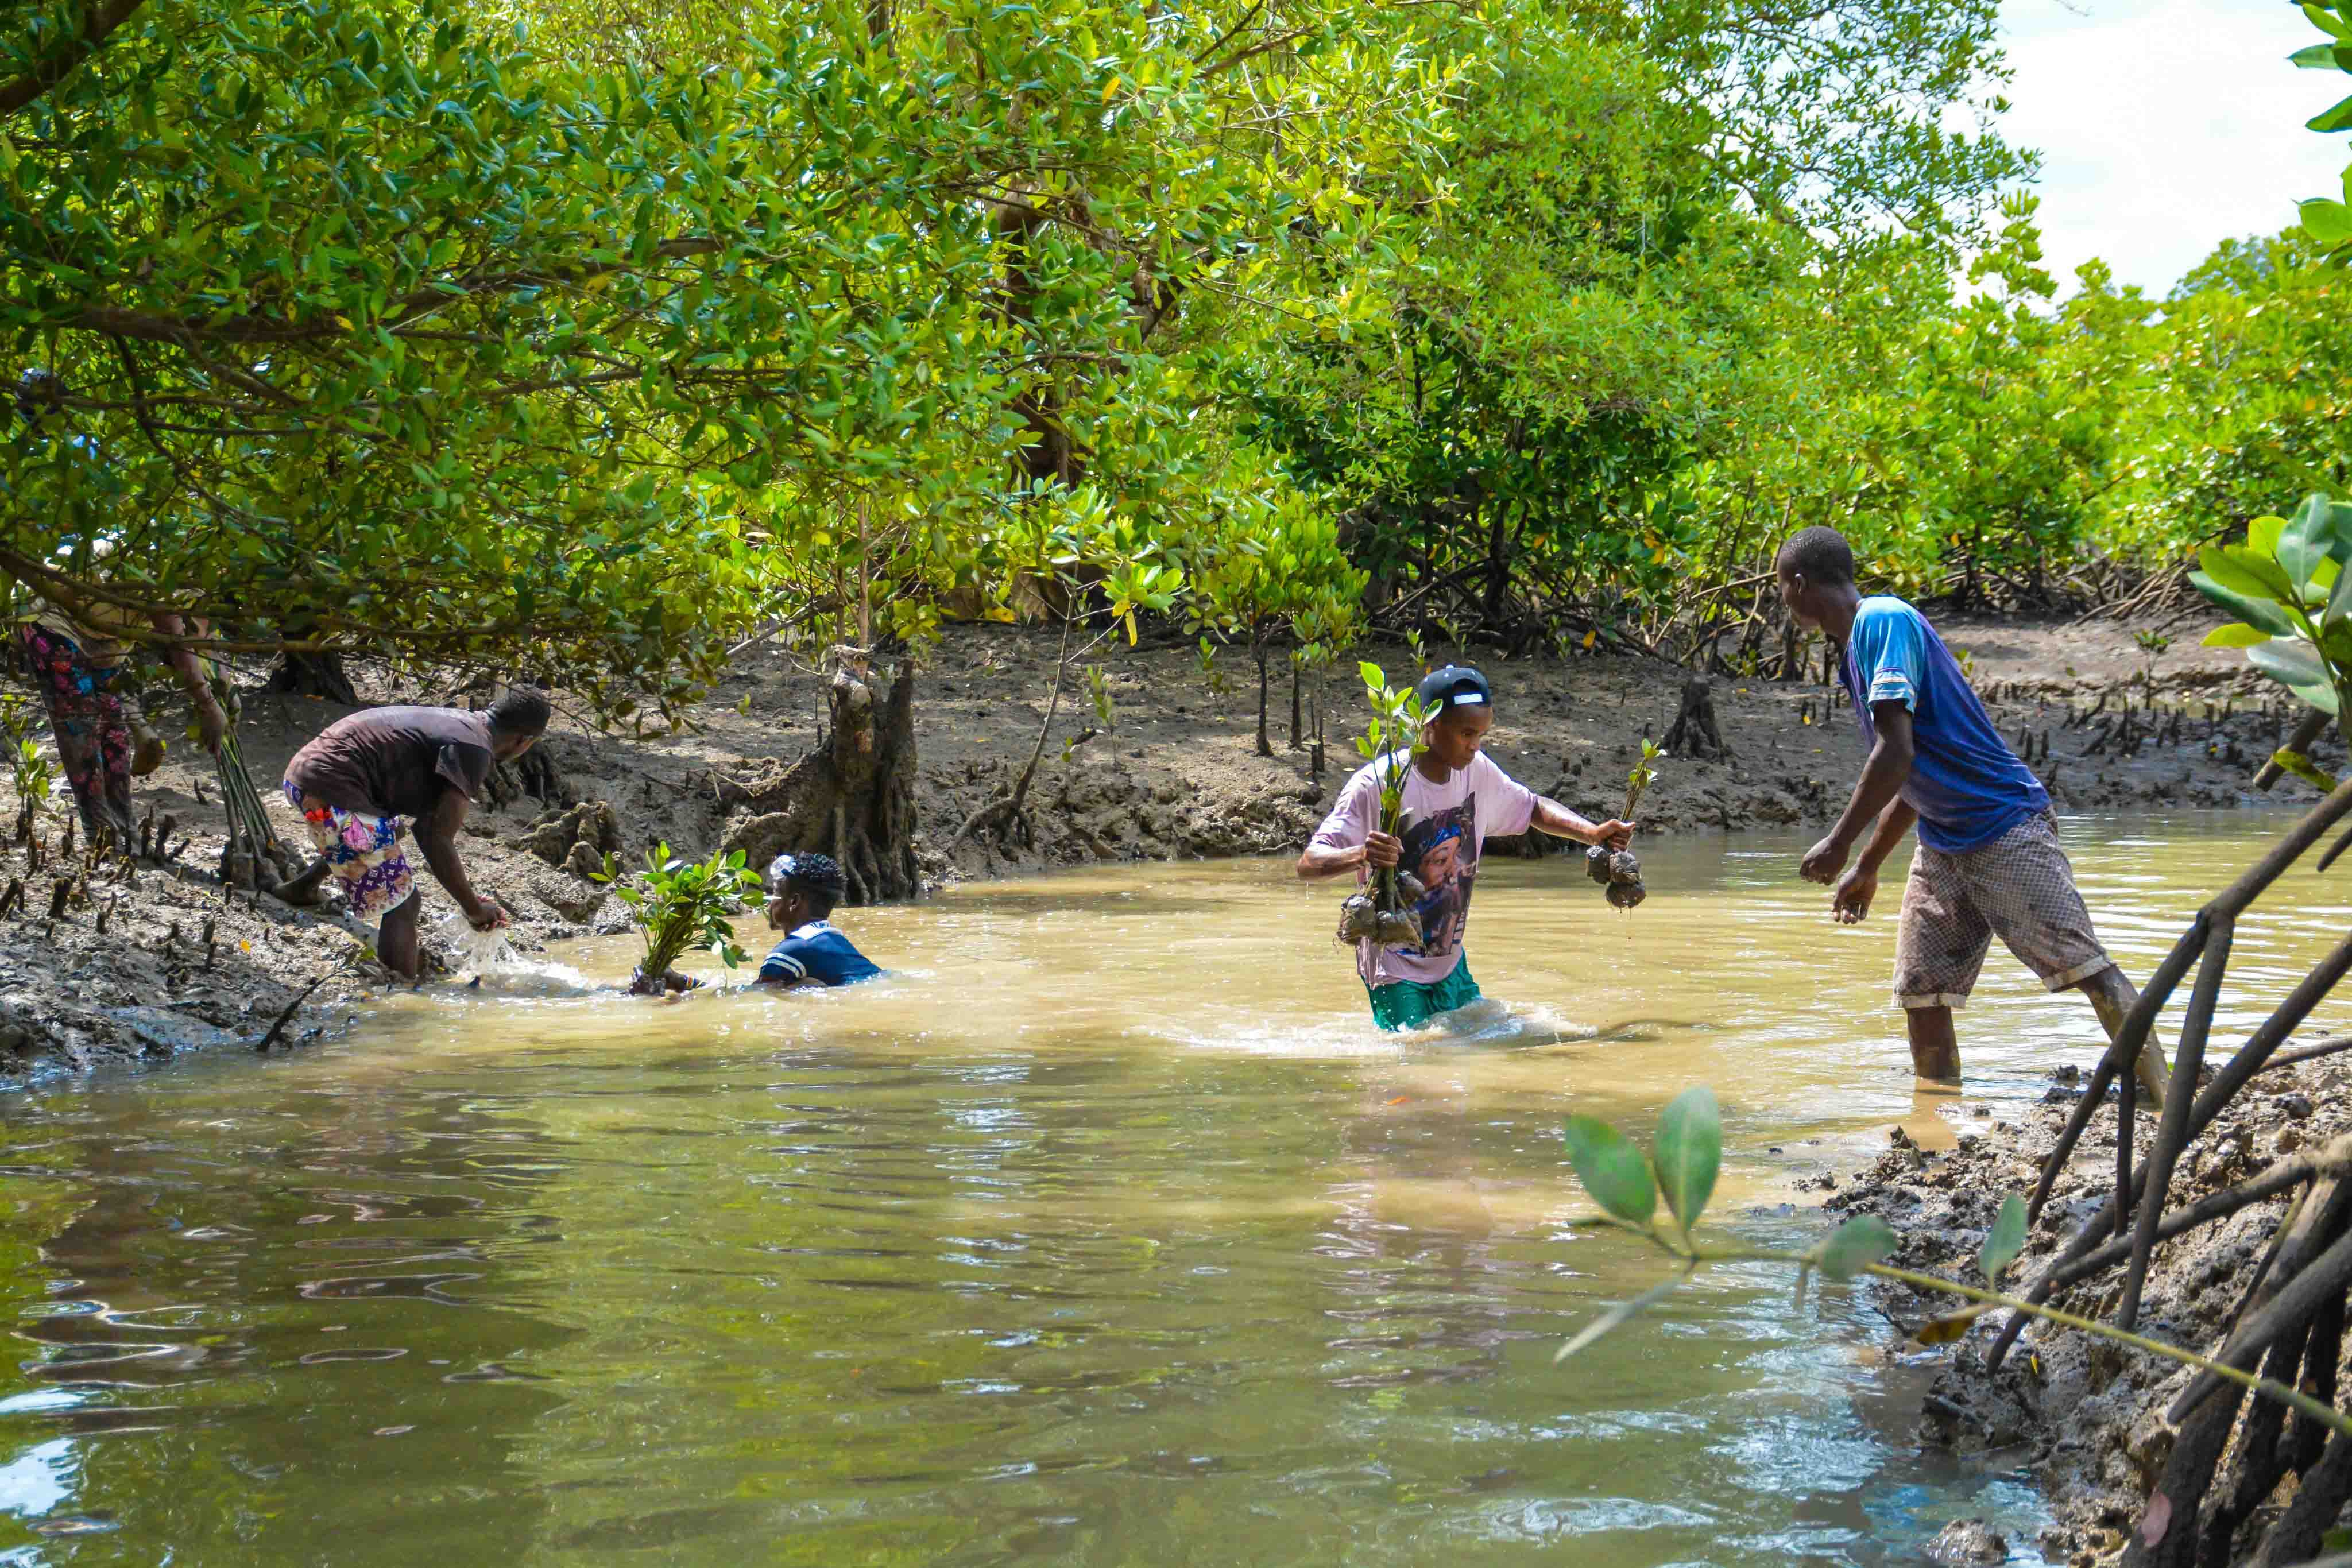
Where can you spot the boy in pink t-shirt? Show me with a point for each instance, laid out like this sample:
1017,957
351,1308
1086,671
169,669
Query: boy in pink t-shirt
1454,800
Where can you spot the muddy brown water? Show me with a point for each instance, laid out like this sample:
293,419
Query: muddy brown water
1106,1230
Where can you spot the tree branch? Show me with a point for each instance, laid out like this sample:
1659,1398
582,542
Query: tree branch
97,21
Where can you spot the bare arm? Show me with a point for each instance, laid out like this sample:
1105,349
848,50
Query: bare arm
1378,851
1551,817
436,835
1894,823
211,722
1883,778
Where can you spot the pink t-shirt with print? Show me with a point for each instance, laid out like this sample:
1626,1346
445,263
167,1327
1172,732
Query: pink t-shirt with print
1446,827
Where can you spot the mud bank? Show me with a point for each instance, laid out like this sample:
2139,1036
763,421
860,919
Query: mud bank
2089,1415
1178,777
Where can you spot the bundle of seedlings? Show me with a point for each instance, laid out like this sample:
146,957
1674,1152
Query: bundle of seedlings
1383,912
682,904
1618,871
254,857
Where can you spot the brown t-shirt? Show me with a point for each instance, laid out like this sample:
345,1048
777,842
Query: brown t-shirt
395,761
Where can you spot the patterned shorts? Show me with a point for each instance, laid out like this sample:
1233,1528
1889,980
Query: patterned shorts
2019,888
362,852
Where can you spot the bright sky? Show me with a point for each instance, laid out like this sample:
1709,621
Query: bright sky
2165,126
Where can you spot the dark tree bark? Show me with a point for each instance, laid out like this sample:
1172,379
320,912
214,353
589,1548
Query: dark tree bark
853,797
1694,733
313,675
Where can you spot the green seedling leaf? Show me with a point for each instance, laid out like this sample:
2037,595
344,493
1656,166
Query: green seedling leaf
1855,1246
1612,1170
2263,613
2263,535
2309,539
1616,1315
2242,569
1689,1152
2004,1241
2236,634
2294,662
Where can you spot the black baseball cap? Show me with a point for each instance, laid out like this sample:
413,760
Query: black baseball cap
1455,686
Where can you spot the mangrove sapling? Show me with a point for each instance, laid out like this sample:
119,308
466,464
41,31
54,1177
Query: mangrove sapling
1681,1167
1618,870
1392,740
682,904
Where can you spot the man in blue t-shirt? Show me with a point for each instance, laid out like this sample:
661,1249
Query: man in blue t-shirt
801,892
1989,864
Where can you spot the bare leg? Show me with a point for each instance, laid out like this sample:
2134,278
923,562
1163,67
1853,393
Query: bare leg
303,891
1935,1049
2111,997
395,939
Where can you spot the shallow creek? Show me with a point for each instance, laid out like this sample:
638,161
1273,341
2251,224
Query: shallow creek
1106,1230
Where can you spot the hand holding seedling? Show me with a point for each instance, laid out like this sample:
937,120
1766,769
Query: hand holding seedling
1382,851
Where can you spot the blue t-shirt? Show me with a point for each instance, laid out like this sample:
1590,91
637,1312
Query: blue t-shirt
1967,785
817,951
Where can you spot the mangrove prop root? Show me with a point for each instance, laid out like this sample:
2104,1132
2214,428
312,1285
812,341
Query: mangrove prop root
2303,1527
57,896
2172,1135
2260,1460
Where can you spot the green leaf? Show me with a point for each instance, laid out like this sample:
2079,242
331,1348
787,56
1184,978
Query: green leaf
2339,603
2004,1241
2291,661
2263,535
2334,119
1855,1246
1615,1315
1612,1170
2264,614
2245,570
2308,541
2325,220
2321,17
2315,58
1689,1149
2235,634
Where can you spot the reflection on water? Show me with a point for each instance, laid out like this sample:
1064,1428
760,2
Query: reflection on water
1107,1230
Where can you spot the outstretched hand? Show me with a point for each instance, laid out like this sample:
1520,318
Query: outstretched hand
1850,903
1616,833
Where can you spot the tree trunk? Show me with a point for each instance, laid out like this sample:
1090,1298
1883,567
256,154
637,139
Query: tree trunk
1298,715
1265,745
313,675
854,798
1694,733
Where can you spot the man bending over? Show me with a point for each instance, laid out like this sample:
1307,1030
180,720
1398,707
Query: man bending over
1989,862
364,774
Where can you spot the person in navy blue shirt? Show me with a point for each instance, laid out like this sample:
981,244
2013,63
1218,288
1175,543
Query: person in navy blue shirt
801,892
1988,863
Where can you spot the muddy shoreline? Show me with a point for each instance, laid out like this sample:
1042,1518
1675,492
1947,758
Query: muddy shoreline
2089,1415
169,960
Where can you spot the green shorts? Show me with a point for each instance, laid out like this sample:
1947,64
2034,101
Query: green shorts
1409,1004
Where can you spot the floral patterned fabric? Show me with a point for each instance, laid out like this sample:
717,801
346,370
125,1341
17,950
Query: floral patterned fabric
92,728
363,854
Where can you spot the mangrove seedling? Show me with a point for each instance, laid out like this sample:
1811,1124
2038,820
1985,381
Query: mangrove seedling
677,905
2287,587
1681,1167
1619,872
1392,739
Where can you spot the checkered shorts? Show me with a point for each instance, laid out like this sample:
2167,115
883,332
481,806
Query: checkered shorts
2019,888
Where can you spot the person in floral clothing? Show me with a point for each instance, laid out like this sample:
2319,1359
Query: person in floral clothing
84,671
359,779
